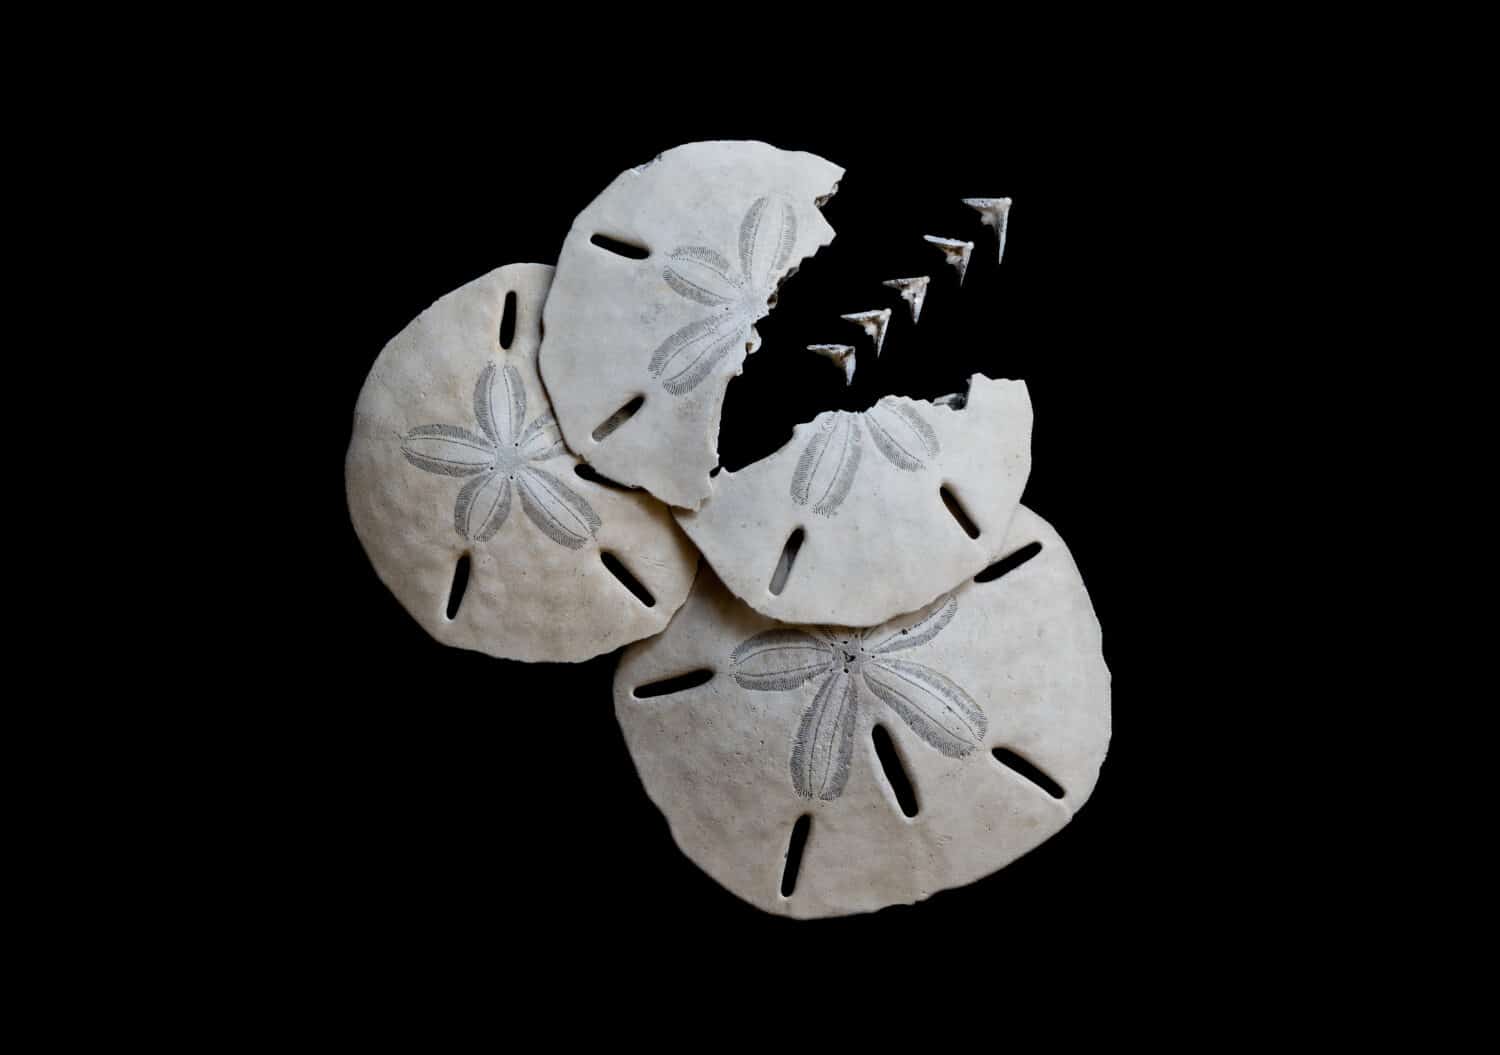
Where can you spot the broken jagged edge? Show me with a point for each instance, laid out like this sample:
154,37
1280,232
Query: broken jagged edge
659,285
841,355
472,509
995,212
755,738
913,291
954,251
862,516
874,323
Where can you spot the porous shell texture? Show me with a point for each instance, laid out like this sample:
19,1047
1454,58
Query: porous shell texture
784,729
722,224
455,452
865,490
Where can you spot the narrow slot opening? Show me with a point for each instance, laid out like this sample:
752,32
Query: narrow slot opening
619,248
592,475
959,513
630,582
508,320
895,772
618,418
1011,760
794,848
681,683
460,584
785,562
1009,563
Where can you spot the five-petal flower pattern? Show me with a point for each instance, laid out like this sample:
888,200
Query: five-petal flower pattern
826,470
501,458
768,235
856,663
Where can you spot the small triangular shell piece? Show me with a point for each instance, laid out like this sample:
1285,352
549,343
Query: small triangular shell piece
839,354
913,291
954,251
994,212
872,322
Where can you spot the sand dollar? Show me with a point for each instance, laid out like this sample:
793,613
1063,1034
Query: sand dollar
862,516
457,473
994,699
659,285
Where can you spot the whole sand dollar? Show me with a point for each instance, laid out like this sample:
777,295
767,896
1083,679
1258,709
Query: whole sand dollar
659,285
456,454
995,698
863,516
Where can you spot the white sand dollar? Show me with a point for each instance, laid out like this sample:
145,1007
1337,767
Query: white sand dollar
849,523
456,454
645,332
996,679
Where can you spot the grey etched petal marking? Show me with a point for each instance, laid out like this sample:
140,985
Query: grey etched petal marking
825,741
768,234
775,660
510,408
688,369
686,357
483,504
901,434
484,408
561,513
699,273
920,632
448,450
826,470
542,439
935,707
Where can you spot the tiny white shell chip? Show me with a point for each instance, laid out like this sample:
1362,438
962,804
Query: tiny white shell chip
995,212
996,697
954,251
874,323
841,355
456,454
659,285
861,516
913,291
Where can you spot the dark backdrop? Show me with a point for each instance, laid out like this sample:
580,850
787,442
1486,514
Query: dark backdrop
430,817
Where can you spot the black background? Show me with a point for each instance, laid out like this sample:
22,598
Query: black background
448,800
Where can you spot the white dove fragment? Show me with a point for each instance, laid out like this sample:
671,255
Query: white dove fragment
873,323
995,212
954,251
841,355
912,290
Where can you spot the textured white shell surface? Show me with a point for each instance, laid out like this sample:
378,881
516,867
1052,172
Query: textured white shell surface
865,489
724,223
442,391
1020,654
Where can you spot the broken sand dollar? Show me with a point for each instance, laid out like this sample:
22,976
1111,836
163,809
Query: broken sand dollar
912,757
659,285
862,516
457,466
